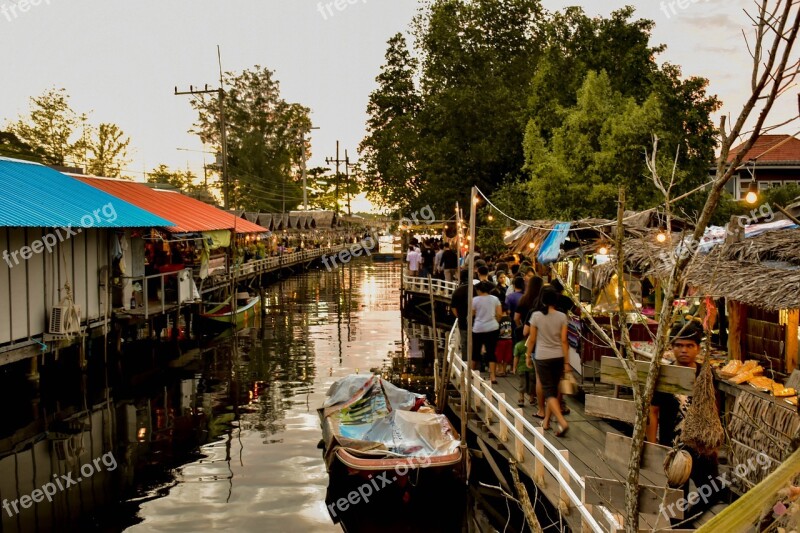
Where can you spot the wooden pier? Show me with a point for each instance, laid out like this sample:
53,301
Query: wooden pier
583,474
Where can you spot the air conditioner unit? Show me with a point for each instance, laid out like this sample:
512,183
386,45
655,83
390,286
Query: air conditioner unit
60,323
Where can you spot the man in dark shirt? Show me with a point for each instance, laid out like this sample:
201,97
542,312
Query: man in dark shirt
667,412
459,307
449,263
428,254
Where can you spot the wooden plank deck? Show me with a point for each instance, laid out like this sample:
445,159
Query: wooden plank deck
585,443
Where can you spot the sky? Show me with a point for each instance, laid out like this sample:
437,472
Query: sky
121,60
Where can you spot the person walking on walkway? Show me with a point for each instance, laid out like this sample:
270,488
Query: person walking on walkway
486,329
548,336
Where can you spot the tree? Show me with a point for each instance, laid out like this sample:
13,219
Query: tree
598,147
477,58
11,146
321,185
108,147
51,128
263,139
597,97
389,150
776,26
183,181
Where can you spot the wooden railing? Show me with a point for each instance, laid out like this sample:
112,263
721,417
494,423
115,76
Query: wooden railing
270,264
492,406
439,287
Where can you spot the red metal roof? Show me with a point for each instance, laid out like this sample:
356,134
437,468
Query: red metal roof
188,214
766,150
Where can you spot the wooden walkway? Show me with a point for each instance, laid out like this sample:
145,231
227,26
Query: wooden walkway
581,474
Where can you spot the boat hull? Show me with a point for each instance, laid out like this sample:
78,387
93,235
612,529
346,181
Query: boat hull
223,316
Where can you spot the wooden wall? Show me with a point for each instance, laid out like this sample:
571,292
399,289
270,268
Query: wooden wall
30,288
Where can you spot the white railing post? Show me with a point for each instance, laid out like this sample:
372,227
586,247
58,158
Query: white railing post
538,465
503,416
564,497
519,445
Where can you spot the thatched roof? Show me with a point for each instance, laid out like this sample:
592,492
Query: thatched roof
772,286
265,220
762,271
322,219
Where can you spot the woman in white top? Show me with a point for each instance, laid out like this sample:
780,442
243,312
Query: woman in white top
549,336
487,310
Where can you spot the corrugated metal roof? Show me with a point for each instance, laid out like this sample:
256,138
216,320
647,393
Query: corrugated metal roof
36,196
186,214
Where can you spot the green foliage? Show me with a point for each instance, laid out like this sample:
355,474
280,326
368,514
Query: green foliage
108,147
783,196
388,151
11,146
264,133
498,95
50,135
186,182
477,59
51,128
589,133
599,146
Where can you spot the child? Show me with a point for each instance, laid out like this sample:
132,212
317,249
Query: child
504,346
527,375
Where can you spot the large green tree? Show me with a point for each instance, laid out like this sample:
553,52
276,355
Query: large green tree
389,152
264,133
108,151
53,128
477,59
587,133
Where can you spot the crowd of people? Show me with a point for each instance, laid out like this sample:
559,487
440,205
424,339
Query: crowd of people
519,323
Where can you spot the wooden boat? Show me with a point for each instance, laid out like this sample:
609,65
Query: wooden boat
369,426
222,313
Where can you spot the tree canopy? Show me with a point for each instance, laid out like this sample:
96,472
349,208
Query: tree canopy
264,133
516,100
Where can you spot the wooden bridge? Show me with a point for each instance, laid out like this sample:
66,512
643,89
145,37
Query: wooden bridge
583,474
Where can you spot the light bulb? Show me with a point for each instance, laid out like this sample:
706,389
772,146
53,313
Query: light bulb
751,197
661,237
603,250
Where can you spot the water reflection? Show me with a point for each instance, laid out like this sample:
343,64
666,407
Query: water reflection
227,441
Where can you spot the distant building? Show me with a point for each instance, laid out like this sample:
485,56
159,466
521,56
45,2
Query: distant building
773,161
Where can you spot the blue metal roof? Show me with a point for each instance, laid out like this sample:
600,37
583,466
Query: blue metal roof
36,196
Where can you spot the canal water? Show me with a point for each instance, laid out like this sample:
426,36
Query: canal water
222,437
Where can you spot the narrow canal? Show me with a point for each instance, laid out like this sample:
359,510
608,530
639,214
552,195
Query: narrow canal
223,438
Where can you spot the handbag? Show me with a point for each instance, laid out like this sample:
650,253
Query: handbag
568,385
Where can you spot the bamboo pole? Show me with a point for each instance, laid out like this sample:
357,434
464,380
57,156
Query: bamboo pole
744,512
524,499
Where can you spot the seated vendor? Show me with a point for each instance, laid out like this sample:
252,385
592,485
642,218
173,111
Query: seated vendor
668,411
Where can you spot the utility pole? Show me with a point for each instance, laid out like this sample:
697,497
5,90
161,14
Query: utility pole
223,134
303,166
347,165
338,161
223,130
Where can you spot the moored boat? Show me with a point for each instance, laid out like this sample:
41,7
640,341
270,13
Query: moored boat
369,425
224,313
